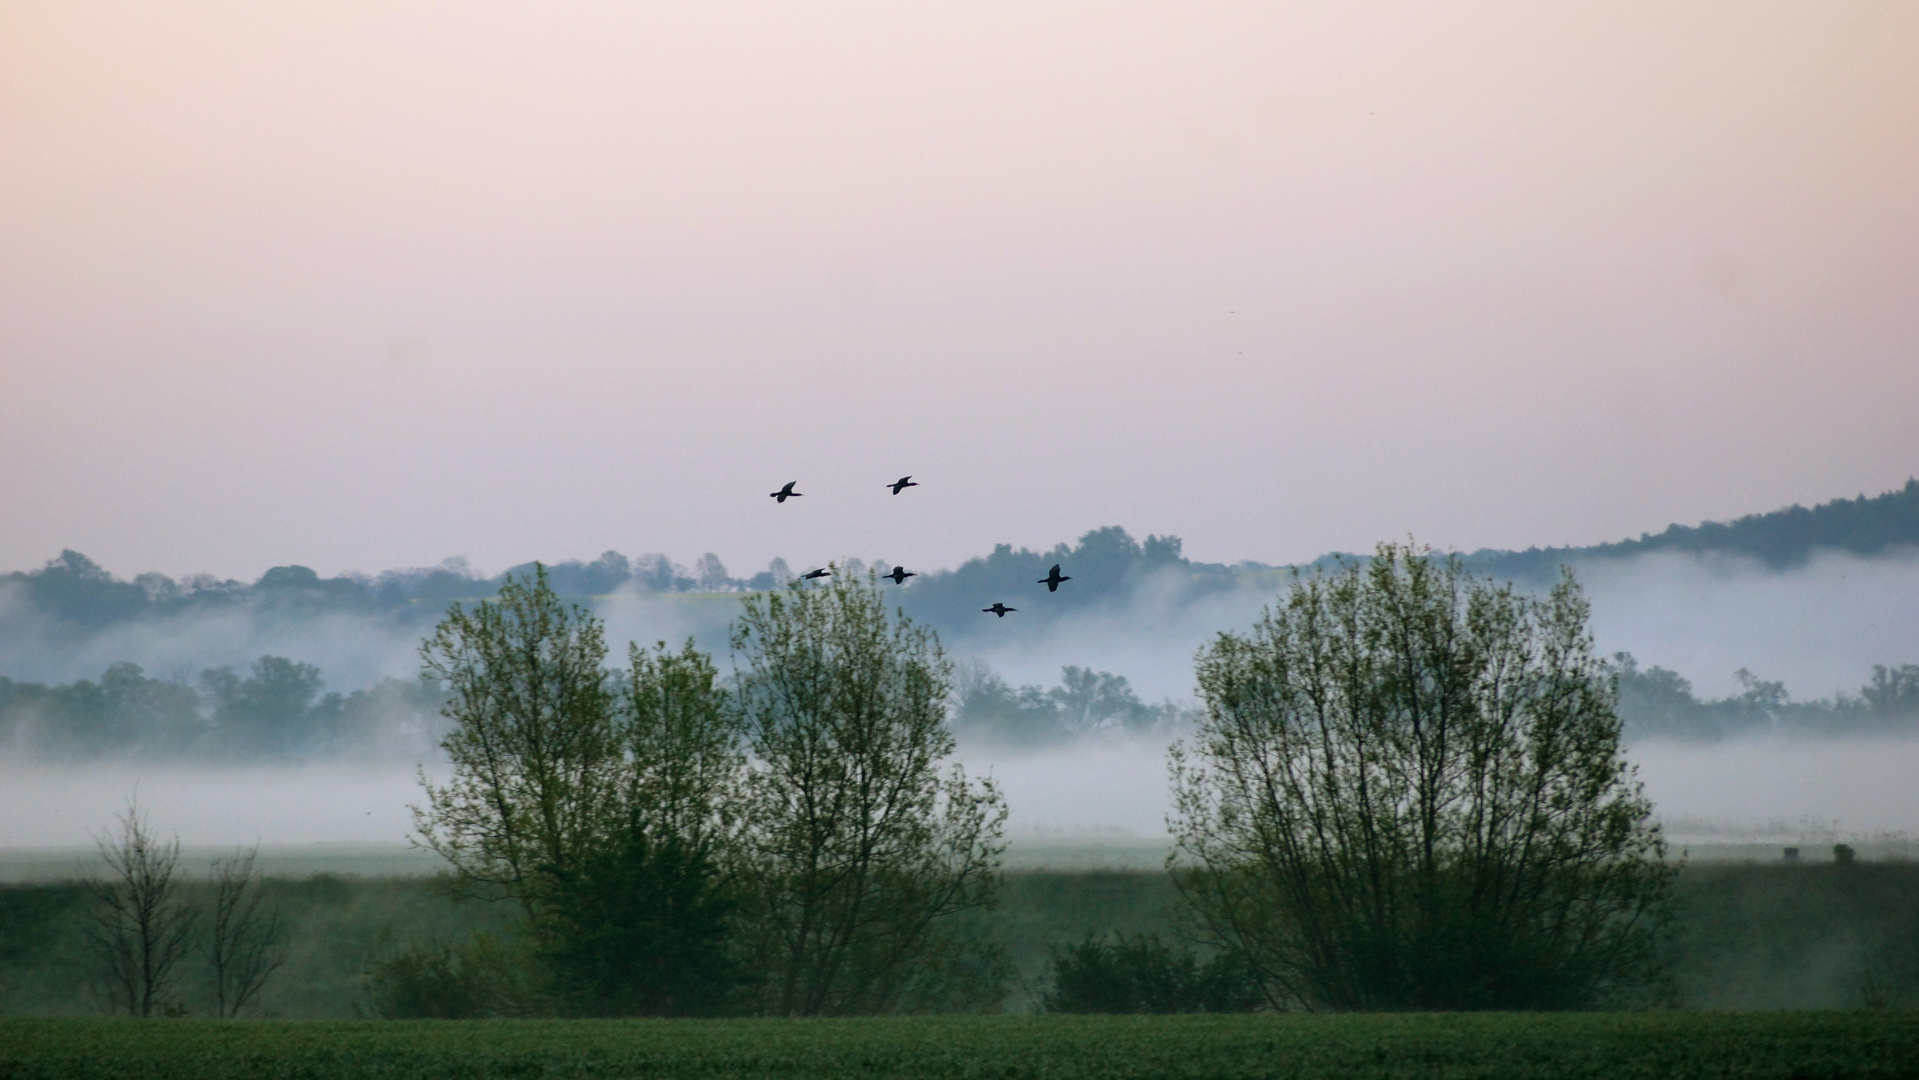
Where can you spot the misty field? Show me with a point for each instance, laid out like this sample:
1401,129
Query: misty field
1748,1046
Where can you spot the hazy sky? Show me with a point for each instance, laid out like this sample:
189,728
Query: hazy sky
367,285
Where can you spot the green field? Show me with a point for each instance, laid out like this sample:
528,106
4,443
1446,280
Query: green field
1816,936
1750,1046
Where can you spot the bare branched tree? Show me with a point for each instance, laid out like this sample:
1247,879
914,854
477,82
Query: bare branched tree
140,926
246,942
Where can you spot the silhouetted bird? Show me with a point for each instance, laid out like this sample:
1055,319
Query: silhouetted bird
902,483
785,493
998,609
1053,578
900,574
820,573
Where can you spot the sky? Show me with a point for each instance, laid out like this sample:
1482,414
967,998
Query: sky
359,286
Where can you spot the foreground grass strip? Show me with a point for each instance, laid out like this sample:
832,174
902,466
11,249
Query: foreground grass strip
1616,1045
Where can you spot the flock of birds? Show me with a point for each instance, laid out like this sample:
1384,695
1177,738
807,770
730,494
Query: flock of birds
899,574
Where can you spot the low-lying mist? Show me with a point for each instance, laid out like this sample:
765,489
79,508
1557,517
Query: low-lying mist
1819,628
1753,789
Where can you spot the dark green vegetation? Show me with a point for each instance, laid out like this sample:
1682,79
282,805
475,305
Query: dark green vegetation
1408,793
1143,973
1559,1047
1820,936
794,842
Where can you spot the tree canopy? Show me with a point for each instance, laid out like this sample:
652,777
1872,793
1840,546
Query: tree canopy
1408,793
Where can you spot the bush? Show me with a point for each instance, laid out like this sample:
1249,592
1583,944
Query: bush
1142,974
440,981
641,931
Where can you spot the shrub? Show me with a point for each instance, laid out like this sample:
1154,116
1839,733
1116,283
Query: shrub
1142,974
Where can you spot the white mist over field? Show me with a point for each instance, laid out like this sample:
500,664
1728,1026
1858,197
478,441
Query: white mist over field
69,805
1757,788
1819,627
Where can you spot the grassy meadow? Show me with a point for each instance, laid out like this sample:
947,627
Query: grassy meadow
1563,1046
1746,936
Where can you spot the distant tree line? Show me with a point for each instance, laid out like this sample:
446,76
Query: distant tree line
1108,566
1085,703
277,710
1657,702
1779,539
76,591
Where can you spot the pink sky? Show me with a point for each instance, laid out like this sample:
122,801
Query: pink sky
367,285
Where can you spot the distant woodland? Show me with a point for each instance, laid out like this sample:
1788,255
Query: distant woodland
279,708
1107,566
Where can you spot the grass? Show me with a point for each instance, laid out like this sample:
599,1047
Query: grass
1821,936
1561,1046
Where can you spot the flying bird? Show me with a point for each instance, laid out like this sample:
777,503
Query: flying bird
902,483
899,575
998,609
785,493
1053,578
820,573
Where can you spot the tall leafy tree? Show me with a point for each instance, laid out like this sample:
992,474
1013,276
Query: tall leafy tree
597,808
535,757
859,847
1408,792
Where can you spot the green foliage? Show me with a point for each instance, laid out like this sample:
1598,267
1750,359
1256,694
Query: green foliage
1768,936
1408,793
683,746
1858,1046
602,814
1142,974
1832,936
481,977
856,851
535,755
642,930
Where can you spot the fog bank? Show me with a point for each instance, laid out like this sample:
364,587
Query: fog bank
1745,789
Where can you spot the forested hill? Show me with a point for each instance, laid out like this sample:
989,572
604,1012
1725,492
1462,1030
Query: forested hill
1107,566
1779,539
